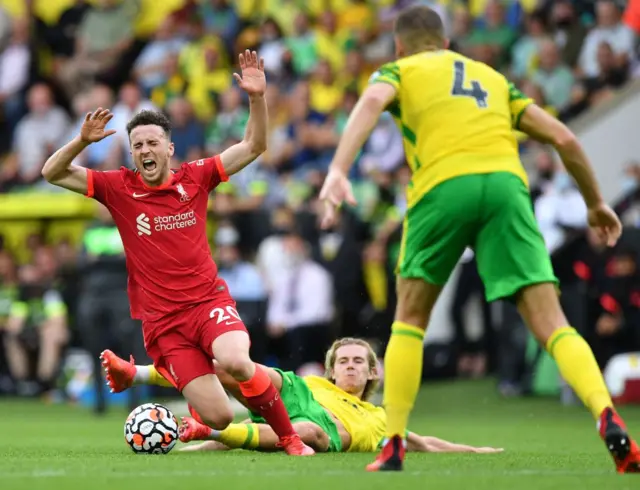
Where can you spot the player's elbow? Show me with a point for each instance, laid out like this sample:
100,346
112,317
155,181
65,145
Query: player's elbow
47,174
565,139
258,147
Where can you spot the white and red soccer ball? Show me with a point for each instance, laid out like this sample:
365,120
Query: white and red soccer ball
151,429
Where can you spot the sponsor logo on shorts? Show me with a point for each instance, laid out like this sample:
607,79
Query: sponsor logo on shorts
179,221
225,316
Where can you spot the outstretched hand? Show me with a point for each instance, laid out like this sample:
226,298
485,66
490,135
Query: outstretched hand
253,80
335,190
93,127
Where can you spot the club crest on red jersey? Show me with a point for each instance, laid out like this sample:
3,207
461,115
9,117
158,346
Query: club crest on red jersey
184,197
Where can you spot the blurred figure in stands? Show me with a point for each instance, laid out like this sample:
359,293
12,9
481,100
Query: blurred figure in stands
301,305
616,328
8,294
103,318
37,324
247,287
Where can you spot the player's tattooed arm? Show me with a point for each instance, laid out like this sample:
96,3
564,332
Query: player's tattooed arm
58,169
254,143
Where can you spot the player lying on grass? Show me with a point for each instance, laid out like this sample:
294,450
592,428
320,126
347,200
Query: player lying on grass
330,414
469,189
188,316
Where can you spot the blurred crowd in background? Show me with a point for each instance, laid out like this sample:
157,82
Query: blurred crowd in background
297,287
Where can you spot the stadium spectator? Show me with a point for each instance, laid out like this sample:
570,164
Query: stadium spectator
105,34
301,307
525,51
15,63
149,68
568,31
272,47
495,34
593,90
37,324
187,133
554,78
130,102
618,308
36,137
609,29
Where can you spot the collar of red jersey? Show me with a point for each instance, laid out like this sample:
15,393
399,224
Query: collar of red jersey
166,184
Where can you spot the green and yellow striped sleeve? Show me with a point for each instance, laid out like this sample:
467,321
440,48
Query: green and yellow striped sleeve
389,73
518,102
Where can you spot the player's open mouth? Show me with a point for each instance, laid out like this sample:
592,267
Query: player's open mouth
149,165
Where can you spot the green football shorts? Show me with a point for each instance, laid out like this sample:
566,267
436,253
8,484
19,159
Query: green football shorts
492,214
302,407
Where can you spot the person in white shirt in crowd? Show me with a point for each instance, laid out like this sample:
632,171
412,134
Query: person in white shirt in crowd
611,30
559,206
36,137
271,251
301,305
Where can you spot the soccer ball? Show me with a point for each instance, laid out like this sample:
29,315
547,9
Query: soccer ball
151,429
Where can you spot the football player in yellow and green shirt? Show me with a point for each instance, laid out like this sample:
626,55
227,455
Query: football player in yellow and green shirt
469,189
331,413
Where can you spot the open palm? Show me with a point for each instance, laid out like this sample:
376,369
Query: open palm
93,127
253,80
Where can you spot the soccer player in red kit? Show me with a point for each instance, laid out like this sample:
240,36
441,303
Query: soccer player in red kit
188,317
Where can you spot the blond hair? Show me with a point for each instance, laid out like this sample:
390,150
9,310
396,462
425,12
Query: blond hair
372,360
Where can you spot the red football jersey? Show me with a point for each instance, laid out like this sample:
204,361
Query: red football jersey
163,230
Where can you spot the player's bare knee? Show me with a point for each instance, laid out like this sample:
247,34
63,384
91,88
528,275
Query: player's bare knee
218,419
239,367
312,435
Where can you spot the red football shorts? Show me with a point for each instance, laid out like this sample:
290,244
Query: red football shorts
182,352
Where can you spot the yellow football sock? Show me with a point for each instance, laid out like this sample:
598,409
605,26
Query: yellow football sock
239,436
155,378
579,369
403,372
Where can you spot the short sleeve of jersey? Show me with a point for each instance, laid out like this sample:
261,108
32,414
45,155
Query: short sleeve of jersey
103,186
208,172
518,102
388,73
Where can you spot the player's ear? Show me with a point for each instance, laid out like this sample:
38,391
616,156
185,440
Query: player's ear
373,373
172,149
399,47
447,43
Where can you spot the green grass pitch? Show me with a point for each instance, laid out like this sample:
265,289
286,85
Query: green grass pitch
548,446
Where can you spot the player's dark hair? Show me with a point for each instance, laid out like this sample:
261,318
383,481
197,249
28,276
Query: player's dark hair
150,118
419,27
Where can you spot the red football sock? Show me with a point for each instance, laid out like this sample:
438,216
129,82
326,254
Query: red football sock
264,399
